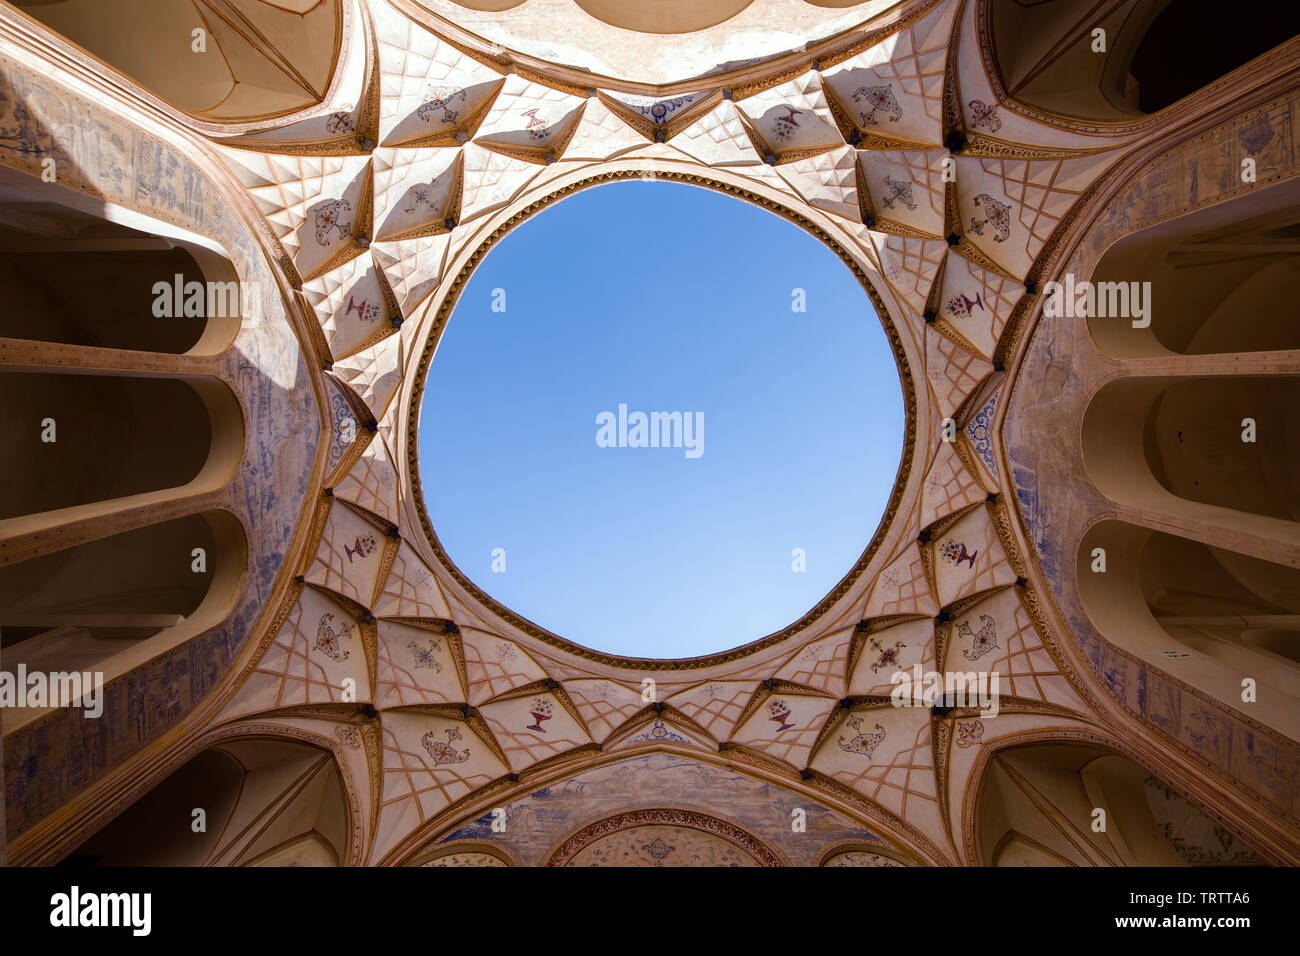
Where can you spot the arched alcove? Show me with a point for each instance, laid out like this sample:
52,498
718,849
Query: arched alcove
82,273
265,803
1213,615
1050,58
75,440
110,604
1203,447
1036,806
1163,63
1161,446
1218,278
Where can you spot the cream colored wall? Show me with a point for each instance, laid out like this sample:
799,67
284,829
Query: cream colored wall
260,58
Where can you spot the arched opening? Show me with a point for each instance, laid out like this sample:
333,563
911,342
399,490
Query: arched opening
1151,53
82,273
1213,615
110,604
1177,444
264,803
217,59
1215,451
1218,278
611,352
75,440
1037,804
1166,64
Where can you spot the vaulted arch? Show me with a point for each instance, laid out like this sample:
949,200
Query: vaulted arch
1082,804
220,60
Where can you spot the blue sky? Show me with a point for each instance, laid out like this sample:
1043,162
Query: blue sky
663,297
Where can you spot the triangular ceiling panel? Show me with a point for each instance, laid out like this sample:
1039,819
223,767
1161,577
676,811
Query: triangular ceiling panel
718,138
533,727
318,656
828,181
413,268
891,649
430,91
372,482
793,120
410,590
969,558
350,555
494,665
530,120
373,373
417,192
430,761
417,666
351,305
892,93
902,588
905,189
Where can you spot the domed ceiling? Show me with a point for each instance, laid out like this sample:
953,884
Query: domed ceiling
888,137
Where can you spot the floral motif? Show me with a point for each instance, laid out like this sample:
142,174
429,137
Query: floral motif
340,122
427,657
778,712
955,552
365,311
877,98
329,641
982,641
658,849
541,712
888,655
329,218
348,737
961,305
970,733
537,128
986,116
998,215
900,191
444,752
660,110
659,733
980,430
783,127
363,546
441,98
863,742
